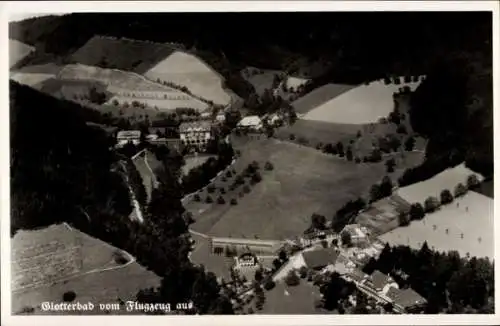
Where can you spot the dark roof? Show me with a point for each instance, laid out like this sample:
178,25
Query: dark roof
380,279
320,258
357,275
406,298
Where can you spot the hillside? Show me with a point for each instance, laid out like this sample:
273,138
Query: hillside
59,166
18,51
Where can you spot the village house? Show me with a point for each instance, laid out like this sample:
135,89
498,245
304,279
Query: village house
319,259
250,123
125,136
359,234
241,246
406,300
196,134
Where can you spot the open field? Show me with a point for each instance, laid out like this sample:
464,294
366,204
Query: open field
470,216
18,51
360,105
201,255
304,181
185,69
448,179
56,259
319,96
121,53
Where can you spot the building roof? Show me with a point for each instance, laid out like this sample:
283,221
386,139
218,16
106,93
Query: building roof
320,258
128,133
405,298
250,121
379,279
243,241
201,125
357,275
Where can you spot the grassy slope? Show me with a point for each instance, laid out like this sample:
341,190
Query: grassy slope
303,182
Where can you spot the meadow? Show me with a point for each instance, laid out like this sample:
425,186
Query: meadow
304,181
361,105
319,96
18,51
466,225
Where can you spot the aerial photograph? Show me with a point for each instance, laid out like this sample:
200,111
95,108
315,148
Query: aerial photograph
251,163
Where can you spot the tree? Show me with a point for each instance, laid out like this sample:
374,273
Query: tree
318,221
277,263
340,148
221,200
348,154
246,189
292,279
417,211
446,197
268,166
69,296
401,130
431,204
303,271
472,181
291,137
258,275
390,164
346,239
403,219
460,190
409,144
375,193
234,201
269,283
386,186
282,255
209,199
256,177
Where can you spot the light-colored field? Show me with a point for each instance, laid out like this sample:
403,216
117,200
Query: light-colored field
194,161
295,82
360,105
34,80
63,259
169,104
304,181
470,216
18,51
292,300
448,179
185,69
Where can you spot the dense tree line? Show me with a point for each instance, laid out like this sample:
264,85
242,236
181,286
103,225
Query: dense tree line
346,213
200,176
450,284
60,168
71,175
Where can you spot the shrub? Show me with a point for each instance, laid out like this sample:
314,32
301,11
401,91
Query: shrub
209,200
269,284
460,190
346,239
292,279
303,272
241,194
472,181
319,145
417,211
228,174
446,197
256,177
197,197
246,189
390,164
431,204
268,166
211,189
221,200
358,134
69,296
291,137
234,201
222,190
357,160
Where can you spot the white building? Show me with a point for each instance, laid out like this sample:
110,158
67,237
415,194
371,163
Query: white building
195,134
125,136
251,122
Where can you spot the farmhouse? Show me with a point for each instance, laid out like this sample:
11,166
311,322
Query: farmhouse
243,246
406,300
319,259
125,136
195,134
250,123
359,234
